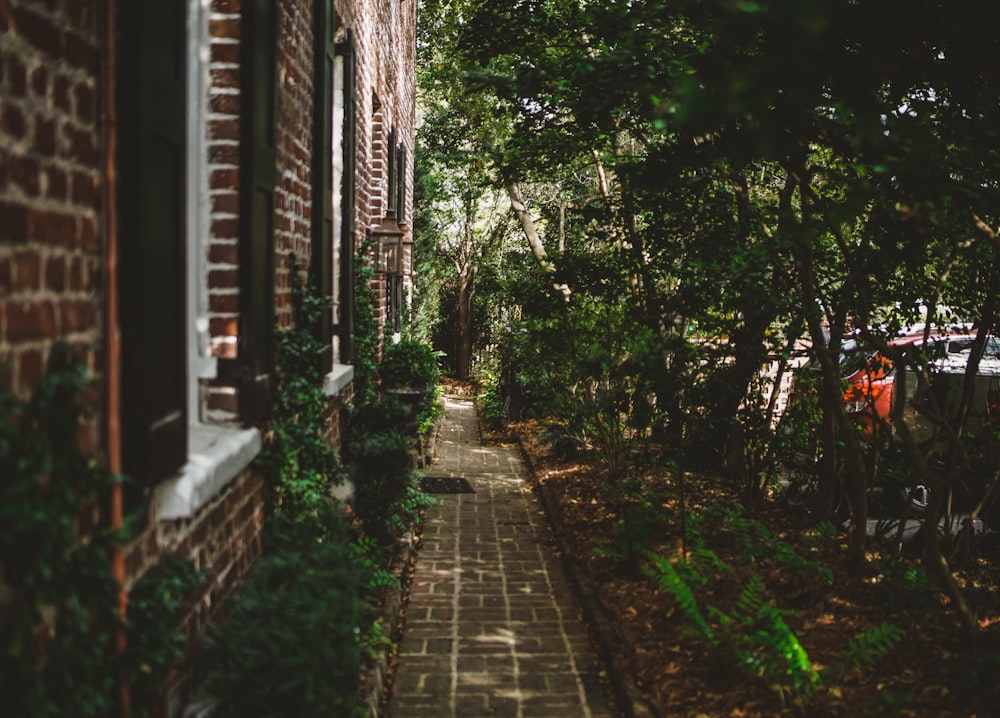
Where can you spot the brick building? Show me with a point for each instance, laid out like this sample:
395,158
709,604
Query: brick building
160,163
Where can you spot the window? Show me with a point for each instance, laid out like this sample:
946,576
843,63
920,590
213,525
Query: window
333,191
344,144
163,230
395,206
253,368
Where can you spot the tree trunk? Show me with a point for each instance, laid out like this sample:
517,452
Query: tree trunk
463,358
531,234
832,400
933,554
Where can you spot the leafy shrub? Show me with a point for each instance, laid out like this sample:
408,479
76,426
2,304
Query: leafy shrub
408,365
289,645
565,440
381,466
749,633
377,417
58,598
298,460
156,641
865,649
431,413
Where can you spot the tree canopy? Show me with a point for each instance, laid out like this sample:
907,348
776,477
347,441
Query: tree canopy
712,183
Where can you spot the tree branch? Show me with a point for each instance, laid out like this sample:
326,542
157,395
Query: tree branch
531,234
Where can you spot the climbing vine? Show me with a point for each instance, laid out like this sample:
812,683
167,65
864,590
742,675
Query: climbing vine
58,598
59,616
365,328
298,460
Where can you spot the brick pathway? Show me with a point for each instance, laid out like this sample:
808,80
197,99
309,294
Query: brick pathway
491,627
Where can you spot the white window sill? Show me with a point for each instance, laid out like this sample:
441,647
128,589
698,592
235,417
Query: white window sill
337,379
216,454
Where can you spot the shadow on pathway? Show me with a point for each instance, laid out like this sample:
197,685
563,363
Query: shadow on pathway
492,628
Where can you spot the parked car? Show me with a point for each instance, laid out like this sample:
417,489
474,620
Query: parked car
870,390
870,381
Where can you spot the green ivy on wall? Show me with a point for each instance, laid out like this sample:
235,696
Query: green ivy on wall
58,598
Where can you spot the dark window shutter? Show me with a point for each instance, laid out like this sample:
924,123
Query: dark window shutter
257,193
151,237
322,169
401,183
392,176
345,327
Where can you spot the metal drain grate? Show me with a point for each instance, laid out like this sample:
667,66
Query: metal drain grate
446,485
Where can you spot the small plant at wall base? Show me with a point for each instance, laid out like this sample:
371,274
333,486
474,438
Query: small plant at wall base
156,642
381,465
409,370
289,645
408,365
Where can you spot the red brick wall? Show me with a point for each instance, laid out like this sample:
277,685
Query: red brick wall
223,163
51,203
224,539
294,157
50,183
385,47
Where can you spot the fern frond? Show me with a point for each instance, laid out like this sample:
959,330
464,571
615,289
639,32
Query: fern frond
868,647
668,578
751,601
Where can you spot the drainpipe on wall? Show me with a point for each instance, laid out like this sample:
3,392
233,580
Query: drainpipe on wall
112,348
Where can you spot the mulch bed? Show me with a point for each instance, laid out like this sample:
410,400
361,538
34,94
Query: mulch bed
929,673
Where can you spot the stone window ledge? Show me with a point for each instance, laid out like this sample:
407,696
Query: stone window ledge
337,379
216,455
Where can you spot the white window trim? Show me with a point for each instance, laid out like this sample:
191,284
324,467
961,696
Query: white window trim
341,375
216,455
201,363
338,379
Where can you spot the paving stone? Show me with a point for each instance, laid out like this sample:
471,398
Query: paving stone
491,628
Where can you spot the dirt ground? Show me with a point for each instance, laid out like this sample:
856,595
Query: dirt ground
927,672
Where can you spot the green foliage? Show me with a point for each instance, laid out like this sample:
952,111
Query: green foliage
867,648
381,465
591,368
493,405
289,644
668,577
297,459
408,364
753,636
58,599
58,609
372,556
431,413
365,327
820,536
407,513
375,639
757,544
639,518
156,642
908,592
